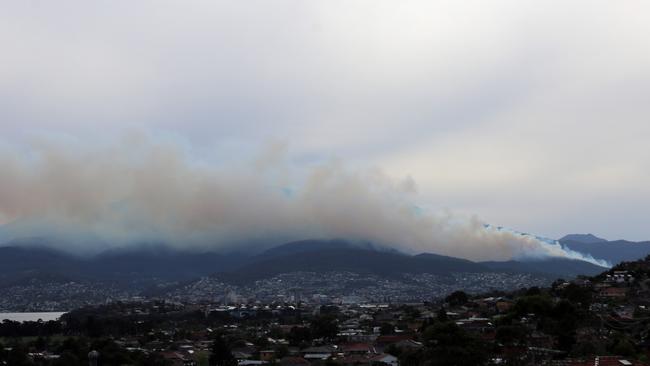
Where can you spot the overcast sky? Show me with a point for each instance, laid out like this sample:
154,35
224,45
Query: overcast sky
533,115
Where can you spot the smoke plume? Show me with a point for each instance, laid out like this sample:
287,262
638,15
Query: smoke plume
144,190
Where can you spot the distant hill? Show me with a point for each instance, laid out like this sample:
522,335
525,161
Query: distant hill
339,255
156,263
311,245
583,238
326,256
16,260
612,251
120,265
165,263
554,267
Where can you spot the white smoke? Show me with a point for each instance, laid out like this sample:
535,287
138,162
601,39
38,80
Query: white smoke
553,248
144,190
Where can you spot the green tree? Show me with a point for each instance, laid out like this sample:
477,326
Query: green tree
533,291
386,329
69,359
18,356
281,351
324,327
299,336
622,346
577,295
111,353
40,344
511,334
457,298
442,315
448,345
220,353
539,305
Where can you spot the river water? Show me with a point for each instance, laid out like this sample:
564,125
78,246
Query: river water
22,317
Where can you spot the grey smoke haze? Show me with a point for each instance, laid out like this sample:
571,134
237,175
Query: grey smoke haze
143,189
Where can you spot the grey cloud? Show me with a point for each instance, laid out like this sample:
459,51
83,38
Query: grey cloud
519,111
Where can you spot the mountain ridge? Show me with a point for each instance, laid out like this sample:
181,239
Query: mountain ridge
169,264
583,238
614,251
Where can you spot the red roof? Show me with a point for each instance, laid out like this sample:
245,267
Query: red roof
357,347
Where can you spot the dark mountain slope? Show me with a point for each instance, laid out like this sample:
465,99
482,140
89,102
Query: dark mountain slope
314,245
36,259
123,265
303,246
583,238
611,251
351,259
446,264
554,267
160,262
